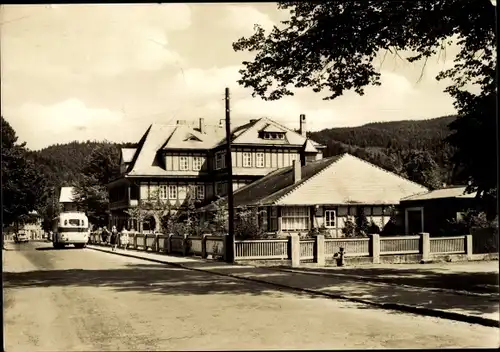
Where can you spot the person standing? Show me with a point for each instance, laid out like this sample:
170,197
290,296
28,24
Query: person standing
124,239
114,238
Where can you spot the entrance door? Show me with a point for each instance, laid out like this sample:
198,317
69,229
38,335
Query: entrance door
414,221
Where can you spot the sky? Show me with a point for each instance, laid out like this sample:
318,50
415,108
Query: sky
106,72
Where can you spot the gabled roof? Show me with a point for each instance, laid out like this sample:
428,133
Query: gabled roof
249,134
180,138
127,154
448,192
66,195
342,179
144,162
309,147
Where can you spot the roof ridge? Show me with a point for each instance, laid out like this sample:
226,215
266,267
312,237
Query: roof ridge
310,178
387,171
138,150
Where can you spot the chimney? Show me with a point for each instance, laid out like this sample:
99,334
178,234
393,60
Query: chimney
303,129
297,172
202,125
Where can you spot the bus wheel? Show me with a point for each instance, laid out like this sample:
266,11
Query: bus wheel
58,246
80,245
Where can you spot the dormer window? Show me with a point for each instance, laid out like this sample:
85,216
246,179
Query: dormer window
272,135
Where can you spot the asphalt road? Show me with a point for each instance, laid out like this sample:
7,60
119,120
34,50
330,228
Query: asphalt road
74,300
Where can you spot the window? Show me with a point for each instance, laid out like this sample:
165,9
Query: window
295,218
273,218
163,192
197,163
74,222
247,159
199,192
259,157
220,161
172,192
330,217
184,163
220,188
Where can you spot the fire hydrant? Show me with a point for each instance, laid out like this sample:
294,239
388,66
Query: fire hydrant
339,256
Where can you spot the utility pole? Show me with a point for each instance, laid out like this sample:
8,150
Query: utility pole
229,167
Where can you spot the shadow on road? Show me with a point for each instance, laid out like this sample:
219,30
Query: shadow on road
168,280
51,248
476,282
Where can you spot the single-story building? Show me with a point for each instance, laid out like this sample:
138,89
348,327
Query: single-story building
324,193
430,211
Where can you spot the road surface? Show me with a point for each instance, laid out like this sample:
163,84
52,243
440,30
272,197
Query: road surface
74,300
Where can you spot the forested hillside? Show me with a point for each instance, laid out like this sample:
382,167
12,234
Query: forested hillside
398,146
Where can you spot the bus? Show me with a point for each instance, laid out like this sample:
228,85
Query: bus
70,228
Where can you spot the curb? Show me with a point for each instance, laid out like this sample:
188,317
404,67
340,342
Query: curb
381,281
391,306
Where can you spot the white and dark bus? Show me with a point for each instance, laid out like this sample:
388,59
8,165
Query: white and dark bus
70,228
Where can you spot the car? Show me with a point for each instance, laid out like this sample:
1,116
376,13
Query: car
21,237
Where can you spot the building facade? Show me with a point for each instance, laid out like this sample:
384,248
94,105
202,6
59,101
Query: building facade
171,160
323,194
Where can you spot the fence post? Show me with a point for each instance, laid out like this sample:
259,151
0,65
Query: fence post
425,243
168,245
226,242
295,250
156,244
204,254
320,250
375,248
145,242
185,249
134,245
468,246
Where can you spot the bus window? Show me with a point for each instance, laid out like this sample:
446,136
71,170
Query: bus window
82,222
65,222
74,222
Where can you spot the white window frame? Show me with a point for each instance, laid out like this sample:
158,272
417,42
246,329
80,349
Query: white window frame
247,159
220,160
199,191
328,218
163,192
197,163
172,192
260,159
293,213
183,163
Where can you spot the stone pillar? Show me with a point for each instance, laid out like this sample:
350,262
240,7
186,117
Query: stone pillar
135,240
145,242
375,248
320,250
185,245
168,246
425,244
204,254
295,250
468,247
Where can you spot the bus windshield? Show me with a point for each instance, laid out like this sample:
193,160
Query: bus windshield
75,222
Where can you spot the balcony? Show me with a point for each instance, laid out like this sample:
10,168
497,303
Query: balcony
122,204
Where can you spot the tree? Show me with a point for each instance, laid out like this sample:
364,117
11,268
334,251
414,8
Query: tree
91,192
420,167
23,188
331,46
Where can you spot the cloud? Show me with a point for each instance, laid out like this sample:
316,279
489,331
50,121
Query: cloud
62,122
243,18
91,39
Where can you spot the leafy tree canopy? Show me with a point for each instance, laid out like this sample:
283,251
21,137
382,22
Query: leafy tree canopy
23,187
330,47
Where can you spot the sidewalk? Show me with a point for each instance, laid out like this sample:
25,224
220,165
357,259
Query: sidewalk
468,308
